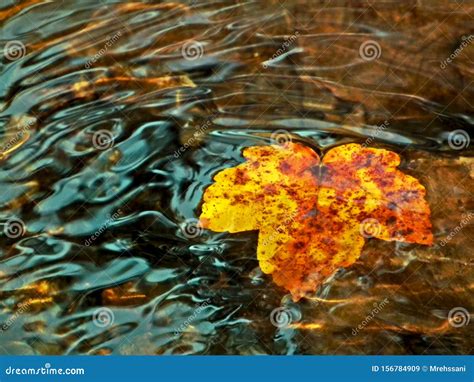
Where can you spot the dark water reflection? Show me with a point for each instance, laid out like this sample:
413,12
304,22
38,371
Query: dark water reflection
114,118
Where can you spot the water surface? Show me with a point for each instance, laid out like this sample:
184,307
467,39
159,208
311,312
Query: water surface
114,117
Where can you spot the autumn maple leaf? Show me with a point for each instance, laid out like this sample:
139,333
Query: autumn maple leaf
313,216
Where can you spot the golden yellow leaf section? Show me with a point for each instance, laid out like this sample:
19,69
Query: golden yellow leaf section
312,216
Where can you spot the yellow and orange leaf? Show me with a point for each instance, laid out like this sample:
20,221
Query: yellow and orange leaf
313,216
